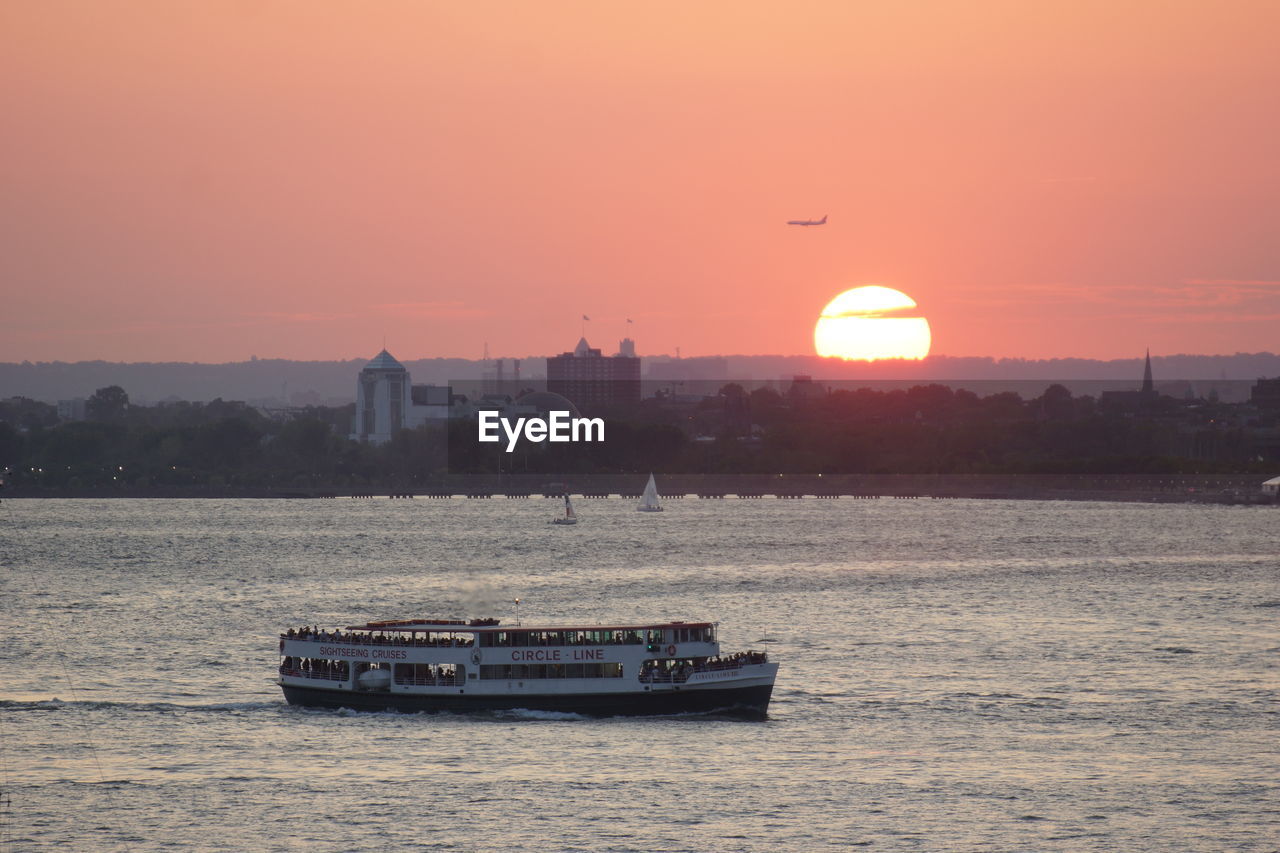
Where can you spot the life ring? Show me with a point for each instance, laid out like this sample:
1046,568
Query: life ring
671,649
475,656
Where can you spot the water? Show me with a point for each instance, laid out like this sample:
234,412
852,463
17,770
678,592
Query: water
955,675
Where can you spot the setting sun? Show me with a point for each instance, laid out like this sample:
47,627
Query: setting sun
866,324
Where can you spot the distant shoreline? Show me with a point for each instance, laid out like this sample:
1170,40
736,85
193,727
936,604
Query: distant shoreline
285,382
1142,488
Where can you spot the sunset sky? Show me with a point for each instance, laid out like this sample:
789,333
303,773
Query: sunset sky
205,181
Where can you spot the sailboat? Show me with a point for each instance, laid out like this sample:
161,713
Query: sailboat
569,516
649,500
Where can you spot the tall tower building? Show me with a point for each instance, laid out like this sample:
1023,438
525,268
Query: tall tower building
382,399
592,380
1148,385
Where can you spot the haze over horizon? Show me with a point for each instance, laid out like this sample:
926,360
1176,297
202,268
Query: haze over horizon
208,182
838,365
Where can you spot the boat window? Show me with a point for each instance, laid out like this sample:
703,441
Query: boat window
323,668
425,674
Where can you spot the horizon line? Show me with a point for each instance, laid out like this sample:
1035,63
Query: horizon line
667,356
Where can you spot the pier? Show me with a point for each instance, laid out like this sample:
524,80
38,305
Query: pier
1233,489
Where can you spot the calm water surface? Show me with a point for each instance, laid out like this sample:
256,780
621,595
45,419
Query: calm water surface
955,675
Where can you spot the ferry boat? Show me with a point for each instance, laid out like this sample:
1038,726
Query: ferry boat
482,665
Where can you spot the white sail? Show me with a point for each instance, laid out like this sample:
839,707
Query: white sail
569,517
649,501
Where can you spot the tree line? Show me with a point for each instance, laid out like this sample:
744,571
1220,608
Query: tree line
808,430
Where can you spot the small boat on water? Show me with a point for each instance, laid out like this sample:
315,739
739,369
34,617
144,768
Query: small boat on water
569,517
481,665
649,500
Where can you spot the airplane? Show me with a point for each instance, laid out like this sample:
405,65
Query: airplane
822,221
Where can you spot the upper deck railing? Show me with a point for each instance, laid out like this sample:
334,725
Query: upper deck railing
357,638
513,638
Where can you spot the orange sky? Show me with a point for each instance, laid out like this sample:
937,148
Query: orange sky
210,181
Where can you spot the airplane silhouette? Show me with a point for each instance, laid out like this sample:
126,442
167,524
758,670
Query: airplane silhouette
822,221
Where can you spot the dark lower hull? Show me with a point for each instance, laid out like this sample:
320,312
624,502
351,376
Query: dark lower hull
746,702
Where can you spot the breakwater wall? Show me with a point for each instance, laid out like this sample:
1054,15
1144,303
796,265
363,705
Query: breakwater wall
1233,488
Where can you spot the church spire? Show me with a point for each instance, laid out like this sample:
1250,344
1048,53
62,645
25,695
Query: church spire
1148,386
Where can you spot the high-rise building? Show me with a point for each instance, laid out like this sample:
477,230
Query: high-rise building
71,410
385,401
1265,395
592,380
